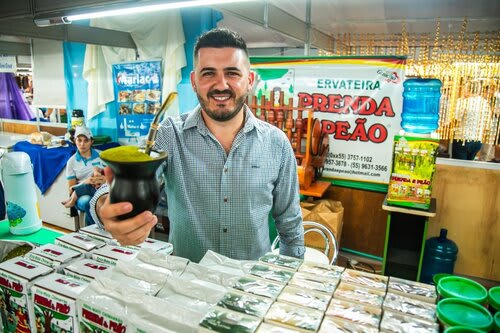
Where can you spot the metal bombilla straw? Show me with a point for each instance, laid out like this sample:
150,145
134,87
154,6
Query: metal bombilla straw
153,129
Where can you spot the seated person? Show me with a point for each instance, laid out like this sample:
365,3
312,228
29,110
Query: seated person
83,168
83,188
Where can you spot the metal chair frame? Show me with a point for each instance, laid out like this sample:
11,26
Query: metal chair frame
328,236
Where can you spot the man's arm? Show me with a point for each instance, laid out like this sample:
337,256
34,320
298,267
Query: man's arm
286,207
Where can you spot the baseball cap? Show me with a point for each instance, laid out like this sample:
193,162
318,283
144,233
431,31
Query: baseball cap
83,130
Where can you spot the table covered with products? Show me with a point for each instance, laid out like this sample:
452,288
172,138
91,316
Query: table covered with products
86,282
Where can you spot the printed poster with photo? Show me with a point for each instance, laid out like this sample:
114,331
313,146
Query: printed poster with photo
137,88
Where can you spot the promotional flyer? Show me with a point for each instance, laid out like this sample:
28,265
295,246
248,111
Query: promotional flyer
138,97
358,101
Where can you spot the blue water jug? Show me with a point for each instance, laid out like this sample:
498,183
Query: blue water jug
421,105
440,254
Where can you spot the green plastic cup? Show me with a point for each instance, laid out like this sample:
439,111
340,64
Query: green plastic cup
439,276
496,322
453,312
462,329
494,299
460,287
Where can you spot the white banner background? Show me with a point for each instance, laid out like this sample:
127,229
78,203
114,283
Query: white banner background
359,102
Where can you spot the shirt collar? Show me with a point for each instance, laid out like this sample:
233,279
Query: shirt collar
194,119
93,154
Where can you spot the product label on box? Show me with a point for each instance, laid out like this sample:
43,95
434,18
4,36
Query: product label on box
95,320
414,164
54,299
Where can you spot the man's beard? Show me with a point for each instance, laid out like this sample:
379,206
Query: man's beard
221,115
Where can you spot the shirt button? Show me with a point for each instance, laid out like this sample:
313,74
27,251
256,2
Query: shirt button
224,229
225,170
225,199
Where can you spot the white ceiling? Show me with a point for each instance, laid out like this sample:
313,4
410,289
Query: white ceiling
328,17
374,16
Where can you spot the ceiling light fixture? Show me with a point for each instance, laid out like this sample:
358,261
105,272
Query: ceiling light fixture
146,9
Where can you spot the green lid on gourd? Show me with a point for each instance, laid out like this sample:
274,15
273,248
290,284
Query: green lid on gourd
494,298
460,287
460,312
462,329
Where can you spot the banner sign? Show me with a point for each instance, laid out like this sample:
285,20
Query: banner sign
358,101
8,64
137,88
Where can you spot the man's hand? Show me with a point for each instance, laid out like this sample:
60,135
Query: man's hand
131,231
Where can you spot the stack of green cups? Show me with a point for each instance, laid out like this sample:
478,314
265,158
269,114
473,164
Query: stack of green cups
494,302
463,288
462,329
461,303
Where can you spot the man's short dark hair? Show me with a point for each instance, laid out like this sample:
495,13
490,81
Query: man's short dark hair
219,38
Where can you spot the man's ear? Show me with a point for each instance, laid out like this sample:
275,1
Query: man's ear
251,80
193,85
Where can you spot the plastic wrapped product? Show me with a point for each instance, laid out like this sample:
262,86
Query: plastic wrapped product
169,264
54,301
245,303
355,312
305,297
256,286
281,261
87,270
295,317
225,264
79,242
149,281
326,271
271,273
54,256
336,325
110,254
422,291
148,314
227,321
196,271
410,306
102,306
269,328
364,279
316,283
97,233
191,294
397,323
155,246
354,293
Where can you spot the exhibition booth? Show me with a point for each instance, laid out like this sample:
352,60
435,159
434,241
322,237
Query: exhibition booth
372,131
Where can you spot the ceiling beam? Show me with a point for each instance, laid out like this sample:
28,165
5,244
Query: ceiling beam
68,32
272,17
11,48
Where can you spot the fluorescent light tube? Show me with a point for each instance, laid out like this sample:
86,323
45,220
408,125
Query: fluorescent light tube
148,8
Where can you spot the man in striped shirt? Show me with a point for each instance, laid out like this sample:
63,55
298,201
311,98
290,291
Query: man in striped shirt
226,171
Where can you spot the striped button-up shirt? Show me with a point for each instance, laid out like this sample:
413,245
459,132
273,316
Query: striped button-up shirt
222,201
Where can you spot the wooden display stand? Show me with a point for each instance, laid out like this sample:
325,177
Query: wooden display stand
405,237
310,144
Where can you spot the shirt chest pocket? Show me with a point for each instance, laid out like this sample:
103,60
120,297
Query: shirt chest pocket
262,175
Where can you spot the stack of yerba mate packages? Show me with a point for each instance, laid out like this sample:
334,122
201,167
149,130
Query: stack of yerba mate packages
284,294
39,289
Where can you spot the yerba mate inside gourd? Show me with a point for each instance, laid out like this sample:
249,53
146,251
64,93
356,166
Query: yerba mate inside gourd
126,154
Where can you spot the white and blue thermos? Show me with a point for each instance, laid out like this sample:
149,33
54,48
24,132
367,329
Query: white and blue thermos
20,194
